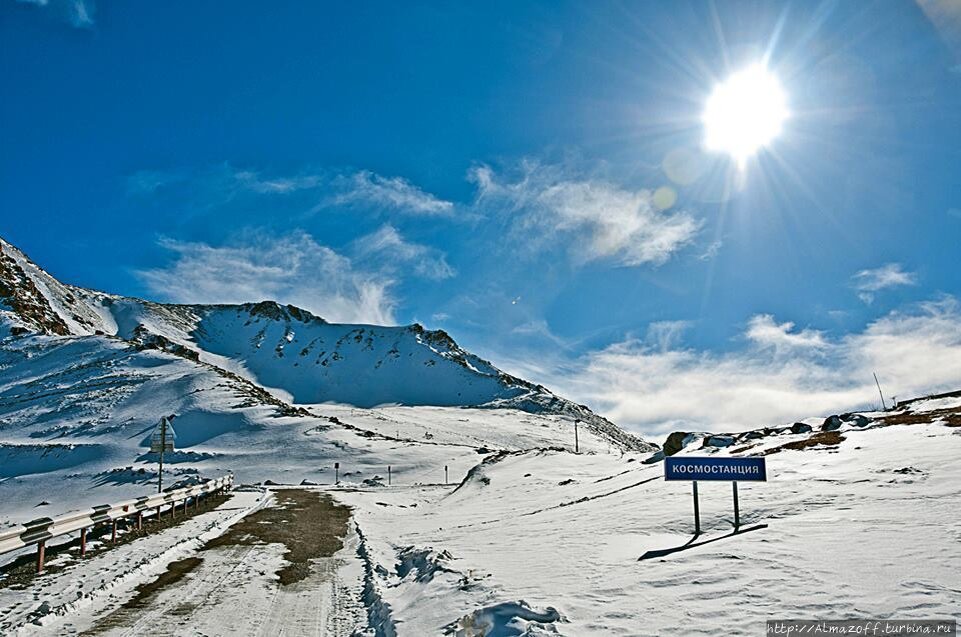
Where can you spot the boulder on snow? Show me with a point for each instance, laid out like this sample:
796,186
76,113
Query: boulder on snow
674,442
656,457
858,420
832,423
801,428
718,441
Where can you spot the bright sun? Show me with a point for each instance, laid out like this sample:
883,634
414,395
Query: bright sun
745,113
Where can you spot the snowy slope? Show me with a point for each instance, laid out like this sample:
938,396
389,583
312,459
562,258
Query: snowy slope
862,523
76,415
528,538
298,357
547,542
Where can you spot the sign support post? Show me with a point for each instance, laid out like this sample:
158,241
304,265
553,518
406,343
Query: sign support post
731,469
160,442
737,512
697,512
163,445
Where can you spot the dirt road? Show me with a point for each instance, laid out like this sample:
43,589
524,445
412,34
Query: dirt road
287,569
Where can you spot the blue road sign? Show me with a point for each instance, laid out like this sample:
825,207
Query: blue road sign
726,469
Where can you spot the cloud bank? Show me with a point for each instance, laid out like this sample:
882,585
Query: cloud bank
596,218
782,374
292,269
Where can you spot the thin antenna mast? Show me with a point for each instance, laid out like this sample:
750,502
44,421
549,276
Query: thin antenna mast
883,406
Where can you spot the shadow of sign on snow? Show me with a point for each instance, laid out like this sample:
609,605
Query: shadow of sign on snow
693,543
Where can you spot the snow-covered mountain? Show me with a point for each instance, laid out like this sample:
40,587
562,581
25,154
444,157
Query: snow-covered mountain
298,357
263,390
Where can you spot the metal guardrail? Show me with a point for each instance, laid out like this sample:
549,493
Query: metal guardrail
42,529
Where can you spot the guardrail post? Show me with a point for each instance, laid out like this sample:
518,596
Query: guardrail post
113,532
83,541
140,520
41,553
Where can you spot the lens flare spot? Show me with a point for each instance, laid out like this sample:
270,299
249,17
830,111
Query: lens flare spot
664,198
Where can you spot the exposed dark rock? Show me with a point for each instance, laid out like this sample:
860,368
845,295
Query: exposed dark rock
718,441
674,442
858,420
832,423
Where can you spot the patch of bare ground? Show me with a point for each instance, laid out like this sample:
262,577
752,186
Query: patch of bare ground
950,415
23,570
820,439
309,524
145,593
739,450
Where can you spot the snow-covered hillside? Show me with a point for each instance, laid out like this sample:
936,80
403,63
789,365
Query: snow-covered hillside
861,519
491,524
861,522
296,356
263,390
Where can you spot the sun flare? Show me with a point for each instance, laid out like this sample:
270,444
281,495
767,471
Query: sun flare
745,113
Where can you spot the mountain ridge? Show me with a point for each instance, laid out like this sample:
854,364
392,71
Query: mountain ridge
294,355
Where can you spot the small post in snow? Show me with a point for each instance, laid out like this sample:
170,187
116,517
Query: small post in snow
336,473
162,440
737,511
445,475
697,512
577,446
388,475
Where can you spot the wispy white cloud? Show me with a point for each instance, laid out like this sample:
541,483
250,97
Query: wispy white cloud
388,248
596,218
665,335
766,333
254,182
868,282
291,269
657,390
317,189
79,13
711,251
368,188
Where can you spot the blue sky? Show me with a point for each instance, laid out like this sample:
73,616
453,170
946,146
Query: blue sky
491,169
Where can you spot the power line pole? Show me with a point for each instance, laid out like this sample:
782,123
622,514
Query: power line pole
883,406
